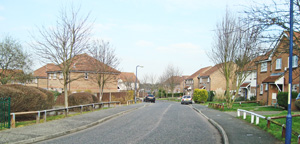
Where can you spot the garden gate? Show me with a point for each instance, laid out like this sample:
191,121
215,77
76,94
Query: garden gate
4,113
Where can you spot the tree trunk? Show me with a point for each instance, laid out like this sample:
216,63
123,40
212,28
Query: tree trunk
100,94
66,95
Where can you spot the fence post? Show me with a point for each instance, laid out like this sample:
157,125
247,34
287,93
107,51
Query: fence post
268,122
81,109
13,120
252,118
244,115
238,113
283,131
66,112
298,139
45,116
93,107
257,120
38,117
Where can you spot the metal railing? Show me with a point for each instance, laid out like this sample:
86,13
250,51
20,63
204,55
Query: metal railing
65,110
252,115
4,113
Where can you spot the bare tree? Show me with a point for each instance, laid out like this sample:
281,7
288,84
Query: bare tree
106,72
149,83
63,42
171,74
235,46
14,62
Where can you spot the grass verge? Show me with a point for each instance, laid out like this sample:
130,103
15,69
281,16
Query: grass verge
276,130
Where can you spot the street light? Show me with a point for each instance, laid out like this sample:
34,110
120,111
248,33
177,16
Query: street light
136,81
288,134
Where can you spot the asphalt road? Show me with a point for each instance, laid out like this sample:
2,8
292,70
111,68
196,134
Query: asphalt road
162,122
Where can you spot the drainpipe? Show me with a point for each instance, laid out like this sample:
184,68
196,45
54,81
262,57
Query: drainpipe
268,94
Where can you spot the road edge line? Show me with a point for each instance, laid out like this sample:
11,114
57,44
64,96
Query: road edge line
219,127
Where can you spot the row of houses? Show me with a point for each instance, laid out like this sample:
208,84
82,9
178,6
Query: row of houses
268,75
50,77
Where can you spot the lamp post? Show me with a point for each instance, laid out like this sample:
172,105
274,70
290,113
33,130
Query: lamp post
288,134
135,92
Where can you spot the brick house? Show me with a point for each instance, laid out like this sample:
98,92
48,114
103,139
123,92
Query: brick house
248,87
40,76
192,82
126,81
213,79
177,82
272,71
82,70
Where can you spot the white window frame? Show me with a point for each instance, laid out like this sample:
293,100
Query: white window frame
254,75
200,80
36,80
295,61
54,76
61,76
261,89
266,87
208,79
86,75
278,64
265,68
49,75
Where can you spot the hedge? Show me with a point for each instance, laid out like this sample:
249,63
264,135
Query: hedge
282,98
200,95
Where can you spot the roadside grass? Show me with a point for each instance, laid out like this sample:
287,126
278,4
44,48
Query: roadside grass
169,99
276,130
50,118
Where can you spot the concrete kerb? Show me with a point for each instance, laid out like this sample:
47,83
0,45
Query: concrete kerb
41,138
219,127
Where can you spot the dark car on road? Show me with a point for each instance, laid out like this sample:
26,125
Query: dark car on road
149,98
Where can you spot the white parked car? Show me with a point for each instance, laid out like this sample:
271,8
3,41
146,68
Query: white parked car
186,99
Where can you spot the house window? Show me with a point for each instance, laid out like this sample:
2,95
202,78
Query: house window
208,80
278,63
61,76
49,76
54,76
86,76
294,61
263,67
35,80
200,80
261,89
266,88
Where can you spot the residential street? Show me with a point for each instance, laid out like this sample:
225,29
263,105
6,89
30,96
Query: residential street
162,122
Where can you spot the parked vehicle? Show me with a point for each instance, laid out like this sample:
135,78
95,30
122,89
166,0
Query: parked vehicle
186,99
149,98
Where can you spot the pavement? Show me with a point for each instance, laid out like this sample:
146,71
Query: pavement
233,130
236,131
56,128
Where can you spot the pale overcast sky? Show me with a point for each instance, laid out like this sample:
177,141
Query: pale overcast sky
152,33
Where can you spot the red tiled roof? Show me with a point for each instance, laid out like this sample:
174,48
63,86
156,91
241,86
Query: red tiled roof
127,76
42,71
245,84
212,70
84,62
271,79
199,72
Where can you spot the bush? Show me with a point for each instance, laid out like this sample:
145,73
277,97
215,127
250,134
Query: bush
240,98
211,95
297,104
253,98
200,95
282,98
56,94
219,95
26,98
81,98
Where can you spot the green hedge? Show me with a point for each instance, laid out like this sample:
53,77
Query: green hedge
282,98
211,95
200,95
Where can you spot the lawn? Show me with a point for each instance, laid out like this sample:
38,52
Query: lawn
276,130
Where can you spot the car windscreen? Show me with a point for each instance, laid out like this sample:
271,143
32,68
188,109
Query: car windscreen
186,96
150,95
